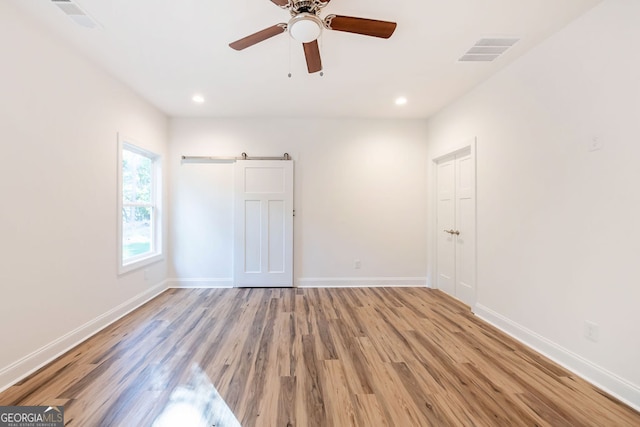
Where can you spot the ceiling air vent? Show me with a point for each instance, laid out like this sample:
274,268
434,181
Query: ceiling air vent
487,50
74,12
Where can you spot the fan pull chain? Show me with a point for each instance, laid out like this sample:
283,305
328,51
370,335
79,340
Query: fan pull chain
321,49
289,75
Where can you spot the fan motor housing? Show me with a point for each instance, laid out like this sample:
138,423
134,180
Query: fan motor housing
306,6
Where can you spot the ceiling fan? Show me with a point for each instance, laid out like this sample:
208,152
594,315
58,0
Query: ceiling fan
306,26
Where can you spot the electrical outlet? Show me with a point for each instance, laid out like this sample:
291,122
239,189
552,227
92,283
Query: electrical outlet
591,331
357,264
595,144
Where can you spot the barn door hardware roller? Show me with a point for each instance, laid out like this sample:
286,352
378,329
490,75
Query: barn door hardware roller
223,159
285,156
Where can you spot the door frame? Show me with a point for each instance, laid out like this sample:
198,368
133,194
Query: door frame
432,237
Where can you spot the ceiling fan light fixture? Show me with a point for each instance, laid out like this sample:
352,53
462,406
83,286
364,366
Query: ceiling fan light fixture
305,27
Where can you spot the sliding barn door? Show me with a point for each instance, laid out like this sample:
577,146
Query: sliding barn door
263,236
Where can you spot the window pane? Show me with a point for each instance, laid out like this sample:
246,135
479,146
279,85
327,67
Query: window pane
137,231
136,177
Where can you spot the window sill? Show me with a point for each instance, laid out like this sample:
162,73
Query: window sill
139,263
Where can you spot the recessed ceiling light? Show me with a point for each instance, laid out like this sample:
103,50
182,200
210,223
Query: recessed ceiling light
198,99
401,100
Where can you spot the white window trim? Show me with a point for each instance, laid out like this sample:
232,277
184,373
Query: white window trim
158,253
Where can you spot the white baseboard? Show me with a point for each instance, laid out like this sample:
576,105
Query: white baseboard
620,388
20,369
200,283
361,282
309,282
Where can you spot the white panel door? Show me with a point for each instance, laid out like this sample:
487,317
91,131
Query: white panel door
446,259
465,230
263,235
456,220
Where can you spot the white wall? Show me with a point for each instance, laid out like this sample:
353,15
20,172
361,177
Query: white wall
359,189
59,119
558,233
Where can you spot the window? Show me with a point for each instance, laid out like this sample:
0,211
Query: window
139,211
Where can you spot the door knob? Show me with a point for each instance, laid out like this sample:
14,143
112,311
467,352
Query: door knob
449,231
452,231
457,233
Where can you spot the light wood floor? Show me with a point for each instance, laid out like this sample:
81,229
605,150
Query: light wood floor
311,357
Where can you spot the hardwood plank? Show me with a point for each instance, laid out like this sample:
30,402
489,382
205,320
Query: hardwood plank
351,357
368,411
312,357
340,408
312,393
287,402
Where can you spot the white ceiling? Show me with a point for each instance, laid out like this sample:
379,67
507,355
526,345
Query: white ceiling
168,50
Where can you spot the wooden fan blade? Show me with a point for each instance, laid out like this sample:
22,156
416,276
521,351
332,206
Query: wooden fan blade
258,37
367,27
281,3
312,53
